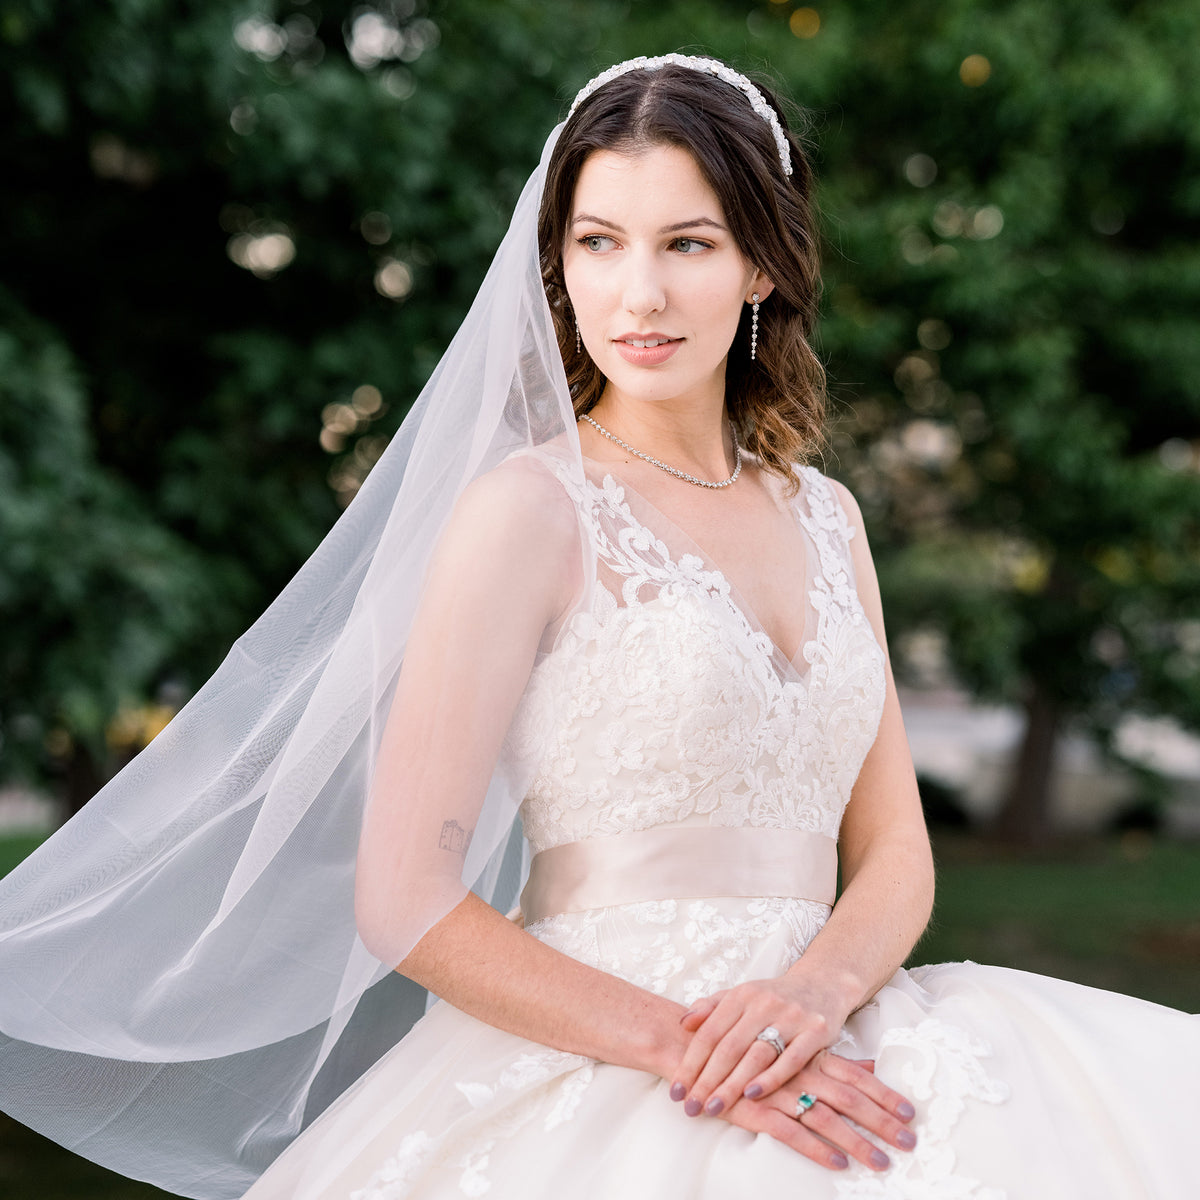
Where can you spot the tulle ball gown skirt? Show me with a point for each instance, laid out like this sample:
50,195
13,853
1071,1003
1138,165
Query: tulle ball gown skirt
1026,1088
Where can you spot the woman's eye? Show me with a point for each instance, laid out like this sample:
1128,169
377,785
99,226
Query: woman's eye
595,242
690,245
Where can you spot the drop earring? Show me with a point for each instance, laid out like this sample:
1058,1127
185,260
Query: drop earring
754,328
578,340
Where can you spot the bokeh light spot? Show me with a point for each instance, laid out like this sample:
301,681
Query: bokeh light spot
805,22
974,70
986,222
915,247
113,159
949,219
393,279
399,82
243,118
264,39
332,441
376,228
933,334
366,400
264,251
920,170
1178,455
339,418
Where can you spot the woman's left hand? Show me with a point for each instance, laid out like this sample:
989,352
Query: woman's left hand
726,1059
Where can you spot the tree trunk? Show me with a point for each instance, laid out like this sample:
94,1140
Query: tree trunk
83,780
1024,817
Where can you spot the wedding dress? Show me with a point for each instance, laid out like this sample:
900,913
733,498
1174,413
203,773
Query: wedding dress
666,723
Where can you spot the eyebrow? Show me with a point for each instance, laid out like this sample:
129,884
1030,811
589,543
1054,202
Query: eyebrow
696,223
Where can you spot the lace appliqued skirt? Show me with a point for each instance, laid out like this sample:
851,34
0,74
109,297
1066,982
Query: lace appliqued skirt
1026,1088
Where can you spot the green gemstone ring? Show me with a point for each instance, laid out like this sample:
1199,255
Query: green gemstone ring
804,1102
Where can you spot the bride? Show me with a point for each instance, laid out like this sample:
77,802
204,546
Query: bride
607,601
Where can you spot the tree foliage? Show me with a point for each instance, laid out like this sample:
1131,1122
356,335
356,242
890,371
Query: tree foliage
245,230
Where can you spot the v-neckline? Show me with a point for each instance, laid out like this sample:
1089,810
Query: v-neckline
798,663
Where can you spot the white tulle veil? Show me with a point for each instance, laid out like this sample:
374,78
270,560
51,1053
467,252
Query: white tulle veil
182,984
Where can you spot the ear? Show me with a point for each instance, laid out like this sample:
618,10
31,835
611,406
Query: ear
760,284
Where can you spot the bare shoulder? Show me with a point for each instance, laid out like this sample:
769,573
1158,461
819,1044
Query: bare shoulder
521,501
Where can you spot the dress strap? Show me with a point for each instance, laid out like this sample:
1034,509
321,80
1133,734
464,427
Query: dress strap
680,863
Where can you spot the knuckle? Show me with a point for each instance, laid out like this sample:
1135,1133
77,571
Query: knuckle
822,1119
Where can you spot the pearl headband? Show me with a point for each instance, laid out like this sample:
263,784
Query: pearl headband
707,66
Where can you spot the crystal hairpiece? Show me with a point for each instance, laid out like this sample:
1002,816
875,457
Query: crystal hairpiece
707,66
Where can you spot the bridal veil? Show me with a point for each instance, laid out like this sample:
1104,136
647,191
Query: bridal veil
182,983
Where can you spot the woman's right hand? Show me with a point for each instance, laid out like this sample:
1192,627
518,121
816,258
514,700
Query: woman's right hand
846,1091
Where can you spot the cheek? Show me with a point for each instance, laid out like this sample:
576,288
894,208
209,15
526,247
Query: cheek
583,287
723,302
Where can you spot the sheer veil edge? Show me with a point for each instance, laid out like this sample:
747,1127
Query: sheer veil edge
185,987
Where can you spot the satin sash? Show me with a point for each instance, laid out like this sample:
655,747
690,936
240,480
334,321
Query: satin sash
678,864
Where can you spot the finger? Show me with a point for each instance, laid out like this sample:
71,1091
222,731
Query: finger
699,1012
715,1026
848,1071
867,1064
759,1118
852,1105
833,1128
738,1057
799,1053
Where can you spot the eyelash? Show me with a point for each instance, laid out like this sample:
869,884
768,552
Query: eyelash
603,237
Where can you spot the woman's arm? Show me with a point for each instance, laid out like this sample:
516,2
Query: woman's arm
506,571
886,900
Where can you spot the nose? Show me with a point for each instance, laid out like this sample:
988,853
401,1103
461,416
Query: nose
644,290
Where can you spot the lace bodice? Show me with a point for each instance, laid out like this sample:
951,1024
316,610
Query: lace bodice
663,704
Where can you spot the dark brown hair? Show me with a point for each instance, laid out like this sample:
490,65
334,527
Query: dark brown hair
777,403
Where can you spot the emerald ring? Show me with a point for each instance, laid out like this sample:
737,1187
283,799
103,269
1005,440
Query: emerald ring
804,1102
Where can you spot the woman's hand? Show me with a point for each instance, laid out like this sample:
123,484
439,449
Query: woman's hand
845,1091
726,1060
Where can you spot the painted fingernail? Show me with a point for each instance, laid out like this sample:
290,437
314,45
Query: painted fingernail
905,1111
678,1091
839,1162
692,1108
753,1091
715,1106
906,1139
879,1160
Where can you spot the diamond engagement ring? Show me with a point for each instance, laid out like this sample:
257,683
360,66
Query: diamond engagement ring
804,1102
770,1035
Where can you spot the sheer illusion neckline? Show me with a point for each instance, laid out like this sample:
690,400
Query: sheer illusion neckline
799,661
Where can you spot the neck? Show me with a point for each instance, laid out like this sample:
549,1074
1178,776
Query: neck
697,438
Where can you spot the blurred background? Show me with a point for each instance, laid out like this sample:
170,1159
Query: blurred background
236,237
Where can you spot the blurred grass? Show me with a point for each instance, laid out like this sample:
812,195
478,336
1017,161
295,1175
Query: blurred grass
1121,913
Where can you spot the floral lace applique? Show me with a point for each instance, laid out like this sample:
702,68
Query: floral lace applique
685,948
663,703
943,1073
473,1181
724,944
394,1179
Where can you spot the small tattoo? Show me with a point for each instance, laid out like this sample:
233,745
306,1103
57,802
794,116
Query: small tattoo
454,837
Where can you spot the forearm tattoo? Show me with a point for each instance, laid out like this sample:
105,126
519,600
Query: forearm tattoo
454,837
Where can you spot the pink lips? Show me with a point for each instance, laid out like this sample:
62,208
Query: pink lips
646,356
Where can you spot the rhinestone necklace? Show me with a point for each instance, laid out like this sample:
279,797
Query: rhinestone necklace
662,466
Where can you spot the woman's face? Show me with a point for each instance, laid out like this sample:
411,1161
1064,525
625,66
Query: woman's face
654,275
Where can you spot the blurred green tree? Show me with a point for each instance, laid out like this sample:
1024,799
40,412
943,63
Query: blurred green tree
236,237
1014,296
243,232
